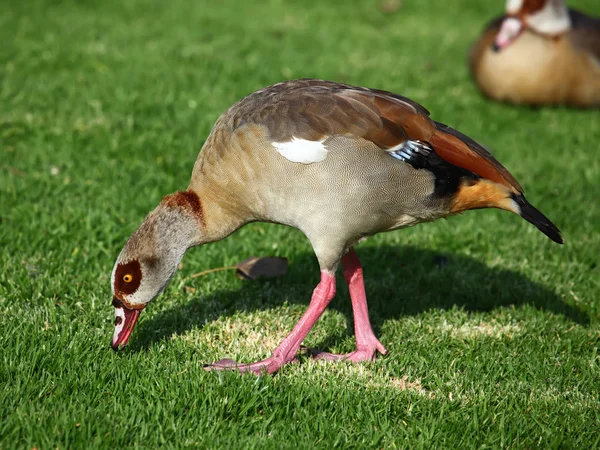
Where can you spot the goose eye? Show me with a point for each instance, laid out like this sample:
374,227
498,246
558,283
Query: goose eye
127,278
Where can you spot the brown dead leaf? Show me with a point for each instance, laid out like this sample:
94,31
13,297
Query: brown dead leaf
267,267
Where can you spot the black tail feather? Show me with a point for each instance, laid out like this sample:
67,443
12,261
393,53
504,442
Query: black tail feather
533,216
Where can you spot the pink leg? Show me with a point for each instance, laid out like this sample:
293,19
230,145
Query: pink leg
367,344
286,351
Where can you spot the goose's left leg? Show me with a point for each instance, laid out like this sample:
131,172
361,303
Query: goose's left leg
367,345
286,351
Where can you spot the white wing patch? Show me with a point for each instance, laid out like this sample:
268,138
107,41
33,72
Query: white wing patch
302,151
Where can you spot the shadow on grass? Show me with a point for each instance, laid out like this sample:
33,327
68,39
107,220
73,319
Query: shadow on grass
400,281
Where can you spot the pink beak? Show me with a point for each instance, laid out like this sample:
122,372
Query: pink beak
511,28
125,319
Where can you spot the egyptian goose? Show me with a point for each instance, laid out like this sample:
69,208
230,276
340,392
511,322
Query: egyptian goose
539,53
337,162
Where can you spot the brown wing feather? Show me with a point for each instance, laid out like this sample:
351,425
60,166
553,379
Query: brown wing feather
462,151
315,109
451,145
585,32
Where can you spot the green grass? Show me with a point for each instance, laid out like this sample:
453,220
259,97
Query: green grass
493,330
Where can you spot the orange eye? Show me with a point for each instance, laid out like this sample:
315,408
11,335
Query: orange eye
127,278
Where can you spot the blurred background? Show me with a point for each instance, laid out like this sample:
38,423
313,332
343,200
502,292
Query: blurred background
104,107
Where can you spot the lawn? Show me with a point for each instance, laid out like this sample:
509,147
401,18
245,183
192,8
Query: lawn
492,330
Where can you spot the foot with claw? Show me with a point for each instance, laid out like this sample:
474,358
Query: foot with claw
361,354
286,351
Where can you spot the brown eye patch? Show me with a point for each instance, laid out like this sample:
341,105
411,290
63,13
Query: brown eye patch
531,6
127,278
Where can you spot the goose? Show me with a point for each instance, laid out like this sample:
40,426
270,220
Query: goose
539,53
339,163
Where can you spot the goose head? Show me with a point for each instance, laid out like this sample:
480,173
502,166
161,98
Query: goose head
545,17
136,281
150,258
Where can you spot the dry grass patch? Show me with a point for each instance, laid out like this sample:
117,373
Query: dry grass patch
471,330
327,374
243,335
401,384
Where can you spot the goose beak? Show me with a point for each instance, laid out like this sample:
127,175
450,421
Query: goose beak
125,319
509,31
